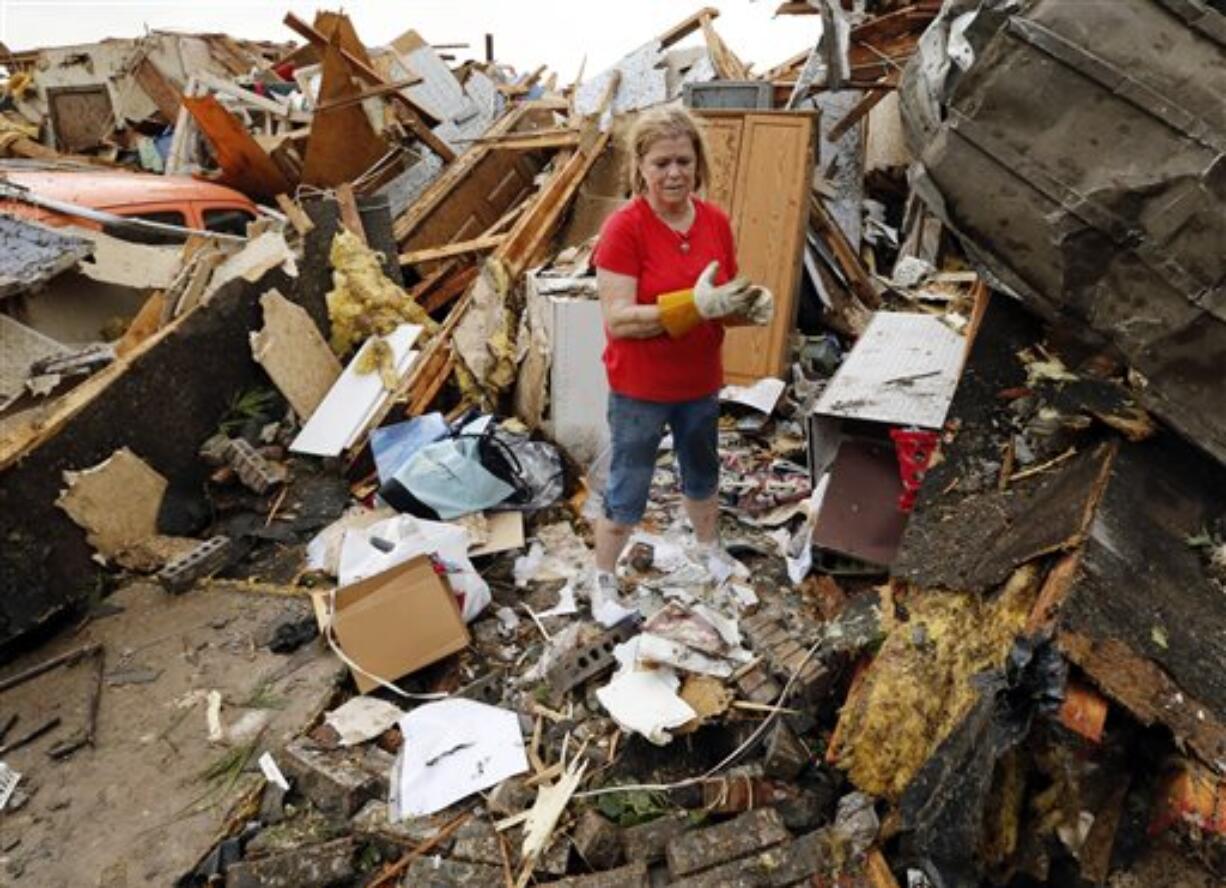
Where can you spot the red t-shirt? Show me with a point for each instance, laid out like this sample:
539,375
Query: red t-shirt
636,242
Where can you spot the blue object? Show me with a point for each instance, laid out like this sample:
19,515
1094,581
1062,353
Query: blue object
394,445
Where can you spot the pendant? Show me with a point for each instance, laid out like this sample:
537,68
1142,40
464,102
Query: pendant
685,246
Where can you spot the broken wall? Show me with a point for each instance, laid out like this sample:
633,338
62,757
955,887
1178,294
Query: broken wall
162,404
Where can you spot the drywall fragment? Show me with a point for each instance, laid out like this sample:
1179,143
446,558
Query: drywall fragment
116,502
293,352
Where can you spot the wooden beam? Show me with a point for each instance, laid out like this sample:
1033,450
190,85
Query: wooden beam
347,203
686,26
539,140
163,91
370,92
849,261
450,288
244,164
411,112
458,248
858,111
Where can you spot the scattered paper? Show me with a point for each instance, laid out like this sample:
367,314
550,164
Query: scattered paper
212,717
8,784
762,396
566,604
362,718
272,773
452,749
647,703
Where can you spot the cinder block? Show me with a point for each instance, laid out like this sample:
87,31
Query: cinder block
333,779
703,849
314,866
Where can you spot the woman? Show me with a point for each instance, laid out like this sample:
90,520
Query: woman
666,267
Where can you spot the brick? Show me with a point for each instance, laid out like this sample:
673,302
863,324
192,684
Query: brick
633,875
790,863
311,867
597,840
371,824
256,473
703,849
208,558
786,756
333,780
591,659
647,841
477,842
432,872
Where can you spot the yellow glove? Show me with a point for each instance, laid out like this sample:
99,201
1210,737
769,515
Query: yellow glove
683,310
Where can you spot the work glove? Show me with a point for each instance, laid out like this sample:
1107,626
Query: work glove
682,310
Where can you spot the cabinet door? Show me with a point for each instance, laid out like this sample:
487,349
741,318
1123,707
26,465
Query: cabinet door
762,163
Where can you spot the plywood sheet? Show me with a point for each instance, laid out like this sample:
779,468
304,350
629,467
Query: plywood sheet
342,144
292,351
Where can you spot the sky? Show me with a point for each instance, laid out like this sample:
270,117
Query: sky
527,33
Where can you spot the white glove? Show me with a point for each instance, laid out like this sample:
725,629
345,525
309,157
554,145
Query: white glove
720,301
761,307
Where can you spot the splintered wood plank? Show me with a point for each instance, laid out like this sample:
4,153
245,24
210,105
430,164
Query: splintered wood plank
768,212
473,193
161,89
244,164
412,113
458,248
343,144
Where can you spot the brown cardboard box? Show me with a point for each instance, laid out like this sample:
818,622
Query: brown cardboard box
398,621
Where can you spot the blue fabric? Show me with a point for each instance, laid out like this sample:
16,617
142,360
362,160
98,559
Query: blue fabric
636,428
394,445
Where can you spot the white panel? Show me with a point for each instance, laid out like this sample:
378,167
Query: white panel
579,388
342,416
902,371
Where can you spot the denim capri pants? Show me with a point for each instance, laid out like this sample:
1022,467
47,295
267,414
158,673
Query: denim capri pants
636,428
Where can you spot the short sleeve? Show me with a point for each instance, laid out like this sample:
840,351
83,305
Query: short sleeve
729,243
618,249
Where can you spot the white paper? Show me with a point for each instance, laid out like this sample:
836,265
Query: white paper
452,749
272,773
566,604
362,718
762,396
665,651
647,703
8,784
342,416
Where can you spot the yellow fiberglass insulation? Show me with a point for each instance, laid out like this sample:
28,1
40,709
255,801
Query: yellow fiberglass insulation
363,302
917,689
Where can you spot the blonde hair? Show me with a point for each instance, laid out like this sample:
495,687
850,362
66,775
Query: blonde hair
665,123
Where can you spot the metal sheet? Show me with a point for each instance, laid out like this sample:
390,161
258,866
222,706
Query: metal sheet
1079,158
903,371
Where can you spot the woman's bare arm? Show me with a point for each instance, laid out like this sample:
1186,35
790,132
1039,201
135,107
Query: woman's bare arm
622,315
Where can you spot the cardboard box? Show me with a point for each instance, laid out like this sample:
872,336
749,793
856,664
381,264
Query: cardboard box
398,621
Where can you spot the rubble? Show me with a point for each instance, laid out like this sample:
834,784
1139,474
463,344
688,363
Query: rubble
970,627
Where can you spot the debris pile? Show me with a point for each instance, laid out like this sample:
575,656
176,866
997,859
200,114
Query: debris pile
302,439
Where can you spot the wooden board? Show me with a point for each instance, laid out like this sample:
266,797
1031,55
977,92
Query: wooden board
163,91
244,164
772,155
343,144
475,191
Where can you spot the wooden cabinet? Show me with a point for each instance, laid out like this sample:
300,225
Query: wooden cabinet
761,168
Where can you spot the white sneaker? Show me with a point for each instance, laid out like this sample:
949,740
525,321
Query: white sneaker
721,565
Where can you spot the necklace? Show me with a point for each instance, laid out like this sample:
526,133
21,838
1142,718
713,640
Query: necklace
683,237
